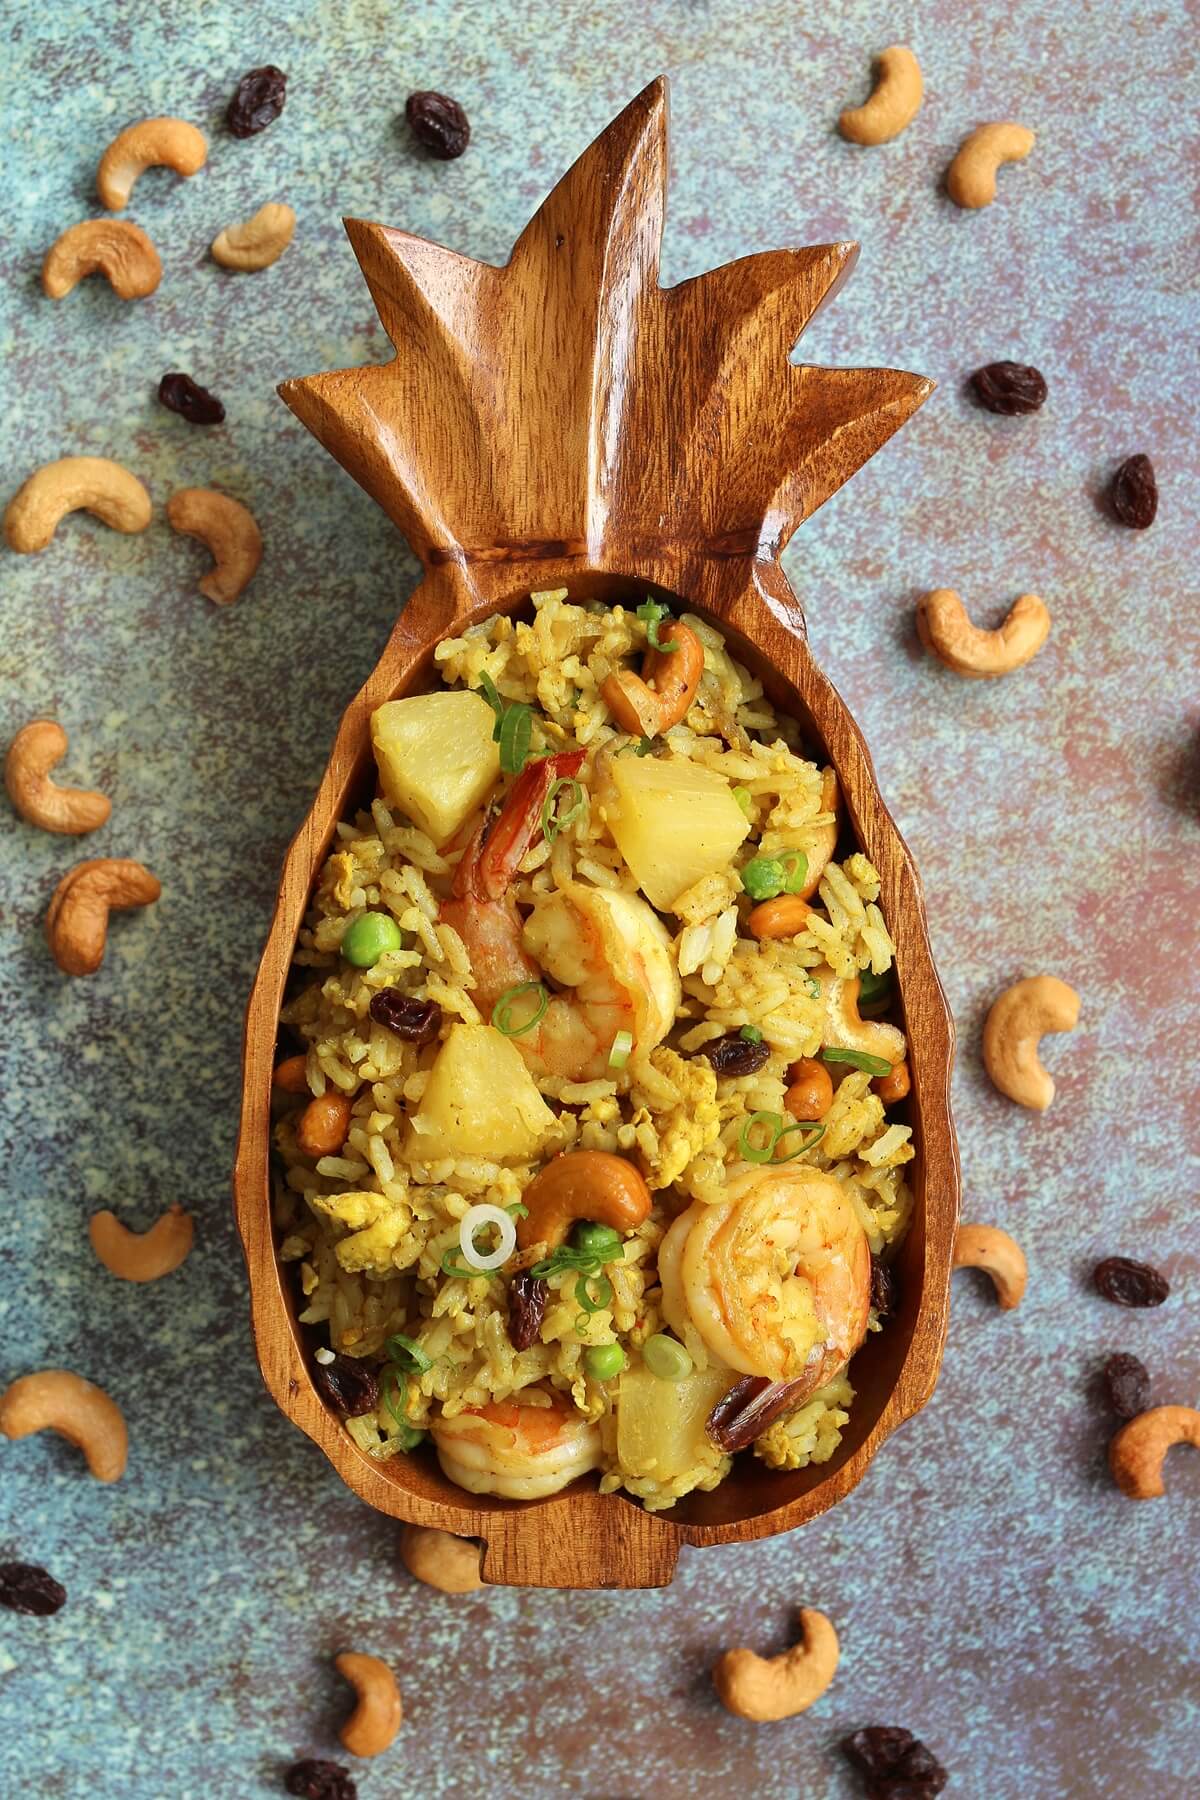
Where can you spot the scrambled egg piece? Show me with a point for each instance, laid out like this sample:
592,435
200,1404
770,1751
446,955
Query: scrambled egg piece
689,1127
376,1225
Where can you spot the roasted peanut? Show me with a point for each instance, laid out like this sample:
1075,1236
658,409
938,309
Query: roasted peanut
650,703
115,248
756,1688
441,1560
56,1400
810,1089
290,1075
77,917
259,241
895,1086
582,1184
988,1248
1138,1451
142,1255
322,1126
1013,1032
230,532
74,484
32,754
944,628
971,177
894,103
169,143
373,1724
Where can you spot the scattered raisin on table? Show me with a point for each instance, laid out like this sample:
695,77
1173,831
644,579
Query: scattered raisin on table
257,101
419,1021
883,1289
314,1779
24,1588
897,1765
350,1386
1129,1283
1009,387
1128,1383
180,394
1134,493
439,123
735,1055
527,1298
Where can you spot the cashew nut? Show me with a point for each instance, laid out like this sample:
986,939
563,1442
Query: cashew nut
169,143
988,1248
441,1560
78,1410
142,1255
582,1184
894,103
77,918
756,1688
322,1126
68,811
74,484
257,242
971,178
1137,1452
650,703
944,628
115,248
844,1029
375,1721
229,530
1013,1031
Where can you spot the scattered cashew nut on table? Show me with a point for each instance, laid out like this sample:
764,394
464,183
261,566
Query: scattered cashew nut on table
582,1184
1137,1452
971,177
756,1688
441,1560
894,103
142,1255
56,1400
115,248
944,627
92,484
258,242
373,1724
228,529
1013,1032
77,918
151,143
68,811
988,1248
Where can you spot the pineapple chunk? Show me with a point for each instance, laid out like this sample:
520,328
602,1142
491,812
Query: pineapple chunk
480,1100
660,1424
437,761
673,822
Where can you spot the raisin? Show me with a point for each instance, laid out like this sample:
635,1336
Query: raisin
1009,387
1128,1384
1129,1283
736,1055
875,1748
1134,493
257,101
527,1298
180,394
350,1387
883,1289
897,1765
418,1021
314,1779
439,123
24,1588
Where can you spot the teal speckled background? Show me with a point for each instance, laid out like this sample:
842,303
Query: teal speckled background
991,1589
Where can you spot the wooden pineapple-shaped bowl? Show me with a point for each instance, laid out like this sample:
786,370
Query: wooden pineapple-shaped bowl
566,422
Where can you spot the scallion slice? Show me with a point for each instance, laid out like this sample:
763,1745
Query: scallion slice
652,613
742,796
760,1153
552,824
491,694
516,732
795,870
813,1125
502,1011
751,1033
450,1267
593,1294
813,986
857,1059
622,1044
406,1353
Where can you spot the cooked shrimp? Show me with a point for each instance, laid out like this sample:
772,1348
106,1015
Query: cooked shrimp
609,950
519,1452
776,1279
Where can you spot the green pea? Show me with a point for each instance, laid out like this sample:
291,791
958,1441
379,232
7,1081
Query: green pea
665,1357
600,1241
764,877
371,937
604,1361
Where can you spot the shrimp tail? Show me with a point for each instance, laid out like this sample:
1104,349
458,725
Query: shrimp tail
494,854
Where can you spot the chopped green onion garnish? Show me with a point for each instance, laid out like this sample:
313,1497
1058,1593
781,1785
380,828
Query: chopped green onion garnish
491,694
450,1267
593,1301
407,1354
502,1011
645,746
552,824
751,1033
622,1044
858,1059
813,986
763,877
408,1437
742,796
666,1357
517,1210
873,987
795,866
515,733
760,1153
651,613
565,1258
394,1396
812,1125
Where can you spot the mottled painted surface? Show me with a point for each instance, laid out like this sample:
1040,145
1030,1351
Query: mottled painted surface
991,1589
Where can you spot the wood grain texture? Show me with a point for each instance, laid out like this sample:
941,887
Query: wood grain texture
564,421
